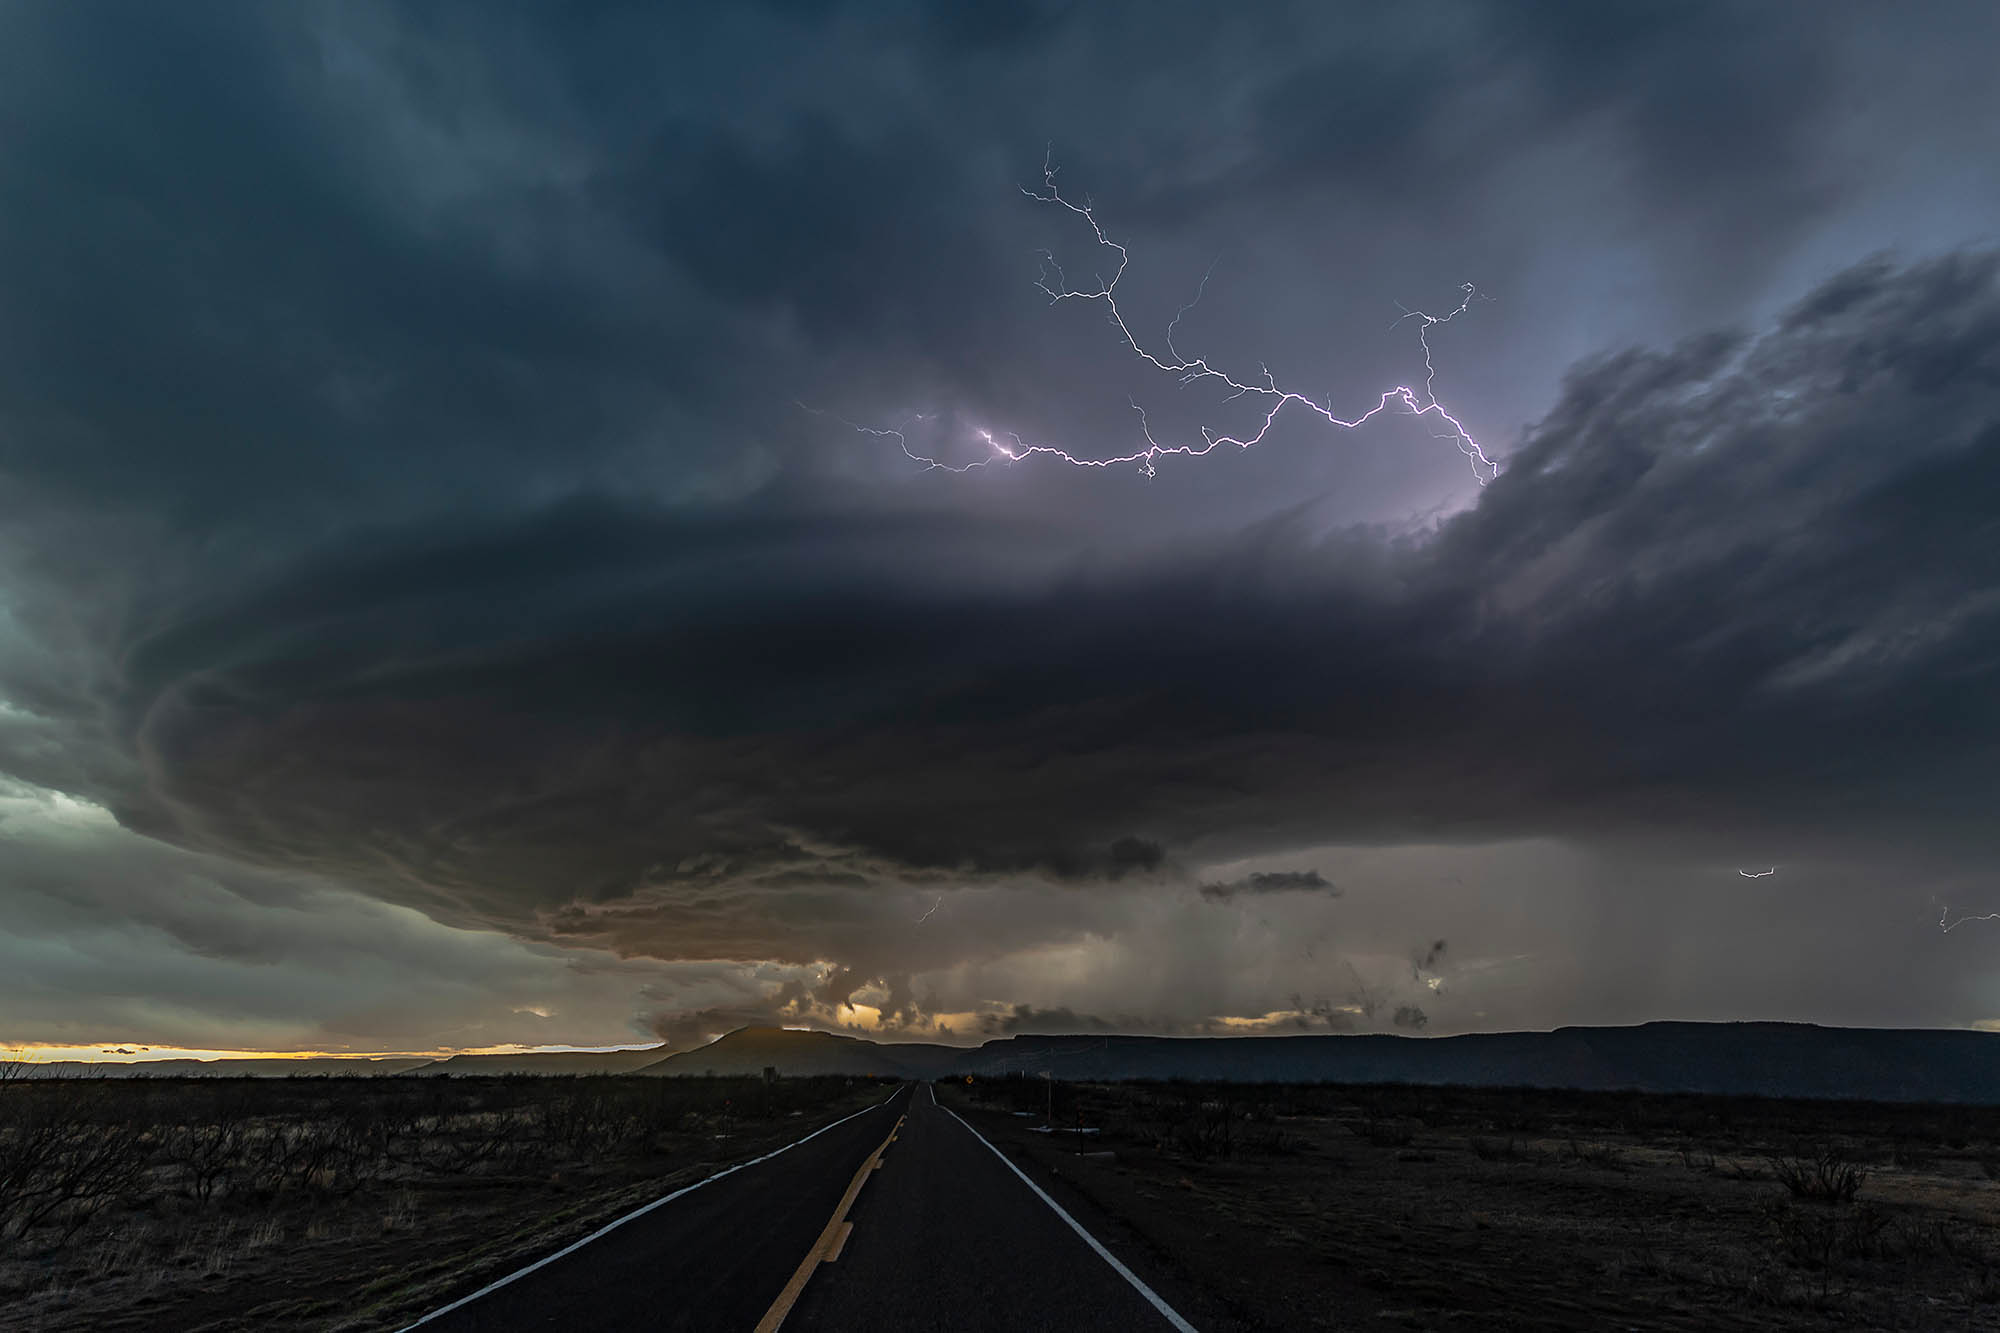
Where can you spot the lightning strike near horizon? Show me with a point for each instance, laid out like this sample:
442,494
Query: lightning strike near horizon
1757,874
1009,447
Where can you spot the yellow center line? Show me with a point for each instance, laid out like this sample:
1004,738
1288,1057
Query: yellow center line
830,1243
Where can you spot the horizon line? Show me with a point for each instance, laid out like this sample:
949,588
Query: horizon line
29,1053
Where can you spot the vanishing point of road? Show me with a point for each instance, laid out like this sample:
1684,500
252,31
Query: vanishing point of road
898,1217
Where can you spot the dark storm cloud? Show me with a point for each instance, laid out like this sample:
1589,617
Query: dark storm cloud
838,990
1410,104
828,1005
1271,881
394,260
1057,1021
1323,1015
685,1029
1725,588
111,936
404,480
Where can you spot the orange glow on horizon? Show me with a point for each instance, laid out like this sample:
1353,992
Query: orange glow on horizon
128,1053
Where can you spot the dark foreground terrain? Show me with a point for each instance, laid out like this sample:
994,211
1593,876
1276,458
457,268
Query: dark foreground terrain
326,1203
1401,1207
334,1203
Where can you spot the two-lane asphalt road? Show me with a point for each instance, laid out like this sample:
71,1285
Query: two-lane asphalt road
899,1217
951,1236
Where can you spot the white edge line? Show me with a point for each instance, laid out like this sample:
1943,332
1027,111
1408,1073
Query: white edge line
640,1211
1167,1312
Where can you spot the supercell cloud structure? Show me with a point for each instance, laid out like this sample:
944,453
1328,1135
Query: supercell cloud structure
411,548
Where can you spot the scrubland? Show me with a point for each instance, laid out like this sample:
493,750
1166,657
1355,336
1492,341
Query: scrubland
1421,1207
333,1203
337,1203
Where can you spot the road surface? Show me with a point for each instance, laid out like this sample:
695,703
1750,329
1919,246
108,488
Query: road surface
899,1217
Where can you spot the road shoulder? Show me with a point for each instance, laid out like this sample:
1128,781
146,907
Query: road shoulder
1104,1202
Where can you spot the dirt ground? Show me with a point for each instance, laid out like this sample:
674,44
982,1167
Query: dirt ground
1431,1208
336,1204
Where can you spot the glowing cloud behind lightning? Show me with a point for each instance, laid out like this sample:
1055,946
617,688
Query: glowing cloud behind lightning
1008,447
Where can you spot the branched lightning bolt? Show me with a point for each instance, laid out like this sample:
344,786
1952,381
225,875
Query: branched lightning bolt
1757,874
1009,447
1947,929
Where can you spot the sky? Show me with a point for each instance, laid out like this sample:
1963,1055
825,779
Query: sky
459,589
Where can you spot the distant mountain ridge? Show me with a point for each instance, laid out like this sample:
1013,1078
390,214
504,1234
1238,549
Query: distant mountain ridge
799,1051
1754,1059
546,1062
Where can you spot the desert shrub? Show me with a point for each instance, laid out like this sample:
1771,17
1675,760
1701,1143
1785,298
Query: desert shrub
1178,1120
209,1148
206,1155
1980,1285
307,1155
456,1145
1925,1238
1817,1240
1591,1152
1271,1139
1204,1130
1823,1175
1387,1132
126,1159
577,1124
1909,1158
1023,1092
61,1157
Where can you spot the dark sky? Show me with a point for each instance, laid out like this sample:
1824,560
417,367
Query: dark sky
446,602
